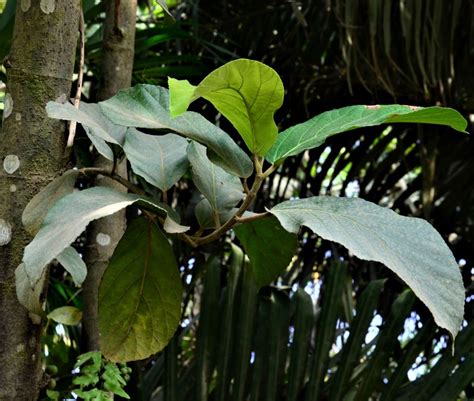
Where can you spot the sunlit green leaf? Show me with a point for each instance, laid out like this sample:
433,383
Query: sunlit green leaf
409,246
246,92
314,132
142,289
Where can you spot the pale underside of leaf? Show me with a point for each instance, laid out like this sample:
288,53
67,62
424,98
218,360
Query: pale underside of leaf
98,127
221,189
160,160
73,264
37,208
147,106
411,247
69,217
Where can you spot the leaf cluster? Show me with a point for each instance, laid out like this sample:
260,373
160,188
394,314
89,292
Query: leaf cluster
142,285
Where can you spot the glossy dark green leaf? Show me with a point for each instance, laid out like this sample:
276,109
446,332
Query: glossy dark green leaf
147,106
411,247
141,289
313,133
269,246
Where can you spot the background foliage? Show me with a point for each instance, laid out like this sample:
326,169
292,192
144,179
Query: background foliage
332,327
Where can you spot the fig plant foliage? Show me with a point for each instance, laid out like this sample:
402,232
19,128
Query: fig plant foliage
141,292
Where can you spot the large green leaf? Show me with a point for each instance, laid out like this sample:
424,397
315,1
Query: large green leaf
141,289
246,92
161,160
269,246
70,216
314,132
147,106
221,189
411,247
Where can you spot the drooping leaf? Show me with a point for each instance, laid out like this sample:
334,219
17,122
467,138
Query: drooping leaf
98,128
73,264
411,247
143,269
221,189
69,217
37,208
30,296
161,160
269,246
246,92
147,106
313,133
68,315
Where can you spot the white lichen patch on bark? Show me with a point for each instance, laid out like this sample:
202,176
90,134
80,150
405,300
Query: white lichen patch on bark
17,116
8,106
5,232
13,188
48,6
103,239
25,5
11,163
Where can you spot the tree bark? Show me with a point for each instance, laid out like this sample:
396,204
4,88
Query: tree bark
39,69
104,234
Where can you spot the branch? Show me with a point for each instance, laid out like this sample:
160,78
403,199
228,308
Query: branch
80,77
102,171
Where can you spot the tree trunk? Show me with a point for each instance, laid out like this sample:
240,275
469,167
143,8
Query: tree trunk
39,69
104,234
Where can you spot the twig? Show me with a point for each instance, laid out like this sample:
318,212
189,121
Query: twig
256,216
80,77
102,171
